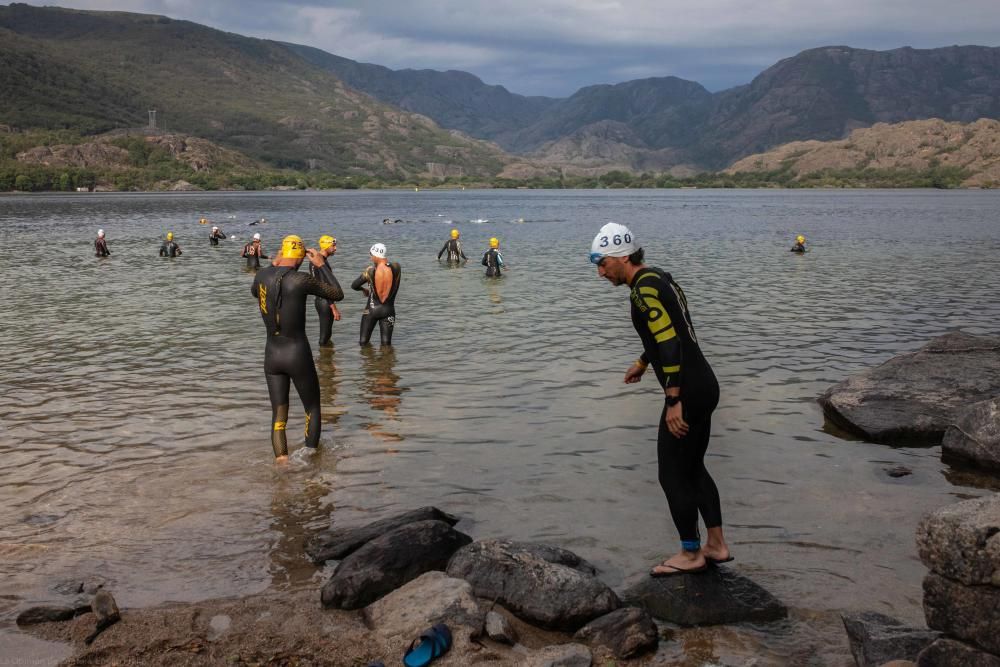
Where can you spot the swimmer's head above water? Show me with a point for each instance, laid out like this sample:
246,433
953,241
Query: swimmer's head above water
292,247
170,236
256,237
494,242
454,233
100,233
616,253
327,244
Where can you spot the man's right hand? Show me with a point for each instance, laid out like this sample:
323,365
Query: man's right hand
634,373
315,258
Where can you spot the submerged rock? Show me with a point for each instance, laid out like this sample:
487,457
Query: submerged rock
966,612
717,596
105,613
387,562
628,632
962,541
877,639
915,397
336,543
544,585
974,438
431,598
49,614
950,653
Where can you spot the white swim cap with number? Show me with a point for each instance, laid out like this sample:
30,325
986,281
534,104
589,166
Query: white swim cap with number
256,237
378,250
613,240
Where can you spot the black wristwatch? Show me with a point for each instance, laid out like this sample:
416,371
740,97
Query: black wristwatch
673,400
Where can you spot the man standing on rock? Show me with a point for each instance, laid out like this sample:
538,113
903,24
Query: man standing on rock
660,317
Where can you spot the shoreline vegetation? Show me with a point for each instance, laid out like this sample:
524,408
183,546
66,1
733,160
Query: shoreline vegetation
67,161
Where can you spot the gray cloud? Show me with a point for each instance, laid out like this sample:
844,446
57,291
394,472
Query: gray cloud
553,47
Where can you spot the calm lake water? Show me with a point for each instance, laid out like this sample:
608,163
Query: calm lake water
135,445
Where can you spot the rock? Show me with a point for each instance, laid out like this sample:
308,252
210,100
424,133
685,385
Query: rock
915,397
337,543
718,596
431,598
628,632
47,614
387,562
962,541
877,638
965,612
563,655
899,663
184,186
951,653
105,612
974,438
499,629
544,585
898,471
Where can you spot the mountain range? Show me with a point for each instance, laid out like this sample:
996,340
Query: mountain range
298,106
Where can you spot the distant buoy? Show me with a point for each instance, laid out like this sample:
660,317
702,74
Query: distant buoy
233,237
416,189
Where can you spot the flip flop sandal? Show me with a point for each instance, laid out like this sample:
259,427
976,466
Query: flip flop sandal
428,647
676,571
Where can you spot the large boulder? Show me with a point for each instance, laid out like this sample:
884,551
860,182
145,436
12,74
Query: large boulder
627,632
544,585
915,397
877,639
387,562
717,596
431,598
50,614
962,541
951,653
974,438
969,613
336,543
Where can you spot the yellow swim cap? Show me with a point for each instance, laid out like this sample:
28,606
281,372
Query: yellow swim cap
326,241
494,242
454,233
170,236
800,238
292,247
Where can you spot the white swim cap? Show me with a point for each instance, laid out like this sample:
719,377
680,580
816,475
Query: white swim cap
613,240
100,232
215,229
256,237
378,250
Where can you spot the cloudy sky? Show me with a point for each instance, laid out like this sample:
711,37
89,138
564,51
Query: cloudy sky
553,47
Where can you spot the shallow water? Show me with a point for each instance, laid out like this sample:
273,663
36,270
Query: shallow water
135,422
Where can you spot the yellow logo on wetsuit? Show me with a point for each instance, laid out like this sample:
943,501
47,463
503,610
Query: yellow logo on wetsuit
279,426
307,424
262,294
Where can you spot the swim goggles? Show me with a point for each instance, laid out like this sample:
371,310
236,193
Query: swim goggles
596,257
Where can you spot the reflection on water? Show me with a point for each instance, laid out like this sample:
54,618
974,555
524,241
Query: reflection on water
135,423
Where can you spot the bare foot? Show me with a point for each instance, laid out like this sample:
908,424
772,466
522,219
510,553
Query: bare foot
715,552
281,460
685,560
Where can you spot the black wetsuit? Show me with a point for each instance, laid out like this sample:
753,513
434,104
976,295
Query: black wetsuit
384,313
798,247
323,309
281,293
101,247
454,248
253,255
493,261
170,249
660,317
214,237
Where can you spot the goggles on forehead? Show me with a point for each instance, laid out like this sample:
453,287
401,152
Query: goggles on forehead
596,257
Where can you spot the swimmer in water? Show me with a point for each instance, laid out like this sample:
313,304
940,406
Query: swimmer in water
800,244
691,393
325,309
216,234
254,251
454,248
170,247
281,292
101,245
492,259
379,282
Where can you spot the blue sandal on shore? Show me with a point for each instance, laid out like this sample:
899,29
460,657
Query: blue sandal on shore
428,647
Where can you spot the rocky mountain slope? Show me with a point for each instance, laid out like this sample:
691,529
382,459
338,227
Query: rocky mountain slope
100,70
914,145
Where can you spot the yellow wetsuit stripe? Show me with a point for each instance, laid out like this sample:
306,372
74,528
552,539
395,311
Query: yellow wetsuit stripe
659,320
279,426
651,291
664,336
671,369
